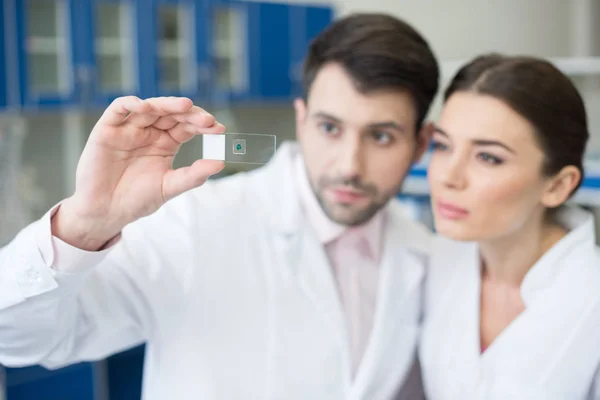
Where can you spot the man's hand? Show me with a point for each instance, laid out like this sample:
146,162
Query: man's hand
125,171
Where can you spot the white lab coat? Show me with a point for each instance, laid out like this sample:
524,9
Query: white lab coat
550,352
232,292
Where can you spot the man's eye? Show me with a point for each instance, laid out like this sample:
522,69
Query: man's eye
329,128
382,137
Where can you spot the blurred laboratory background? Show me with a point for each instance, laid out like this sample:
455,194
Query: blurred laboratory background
63,61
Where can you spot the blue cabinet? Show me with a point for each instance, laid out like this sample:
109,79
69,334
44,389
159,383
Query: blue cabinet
180,48
115,57
269,41
258,48
229,56
46,51
119,378
78,381
80,52
3,57
125,372
84,53
306,23
3,81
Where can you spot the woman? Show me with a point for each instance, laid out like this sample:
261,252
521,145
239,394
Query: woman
513,297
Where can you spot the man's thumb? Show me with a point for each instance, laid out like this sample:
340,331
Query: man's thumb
178,181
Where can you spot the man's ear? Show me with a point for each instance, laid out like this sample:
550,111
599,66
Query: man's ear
300,108
423,139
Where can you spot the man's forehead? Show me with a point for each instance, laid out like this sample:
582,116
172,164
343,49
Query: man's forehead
335,89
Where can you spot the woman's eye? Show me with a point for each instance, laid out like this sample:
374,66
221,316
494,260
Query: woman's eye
490,159
438,146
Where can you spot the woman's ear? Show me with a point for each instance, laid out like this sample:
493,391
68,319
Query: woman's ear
561,186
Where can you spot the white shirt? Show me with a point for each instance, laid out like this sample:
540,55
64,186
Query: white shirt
549,352
229,287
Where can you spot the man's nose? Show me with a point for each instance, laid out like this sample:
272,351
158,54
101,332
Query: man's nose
351,158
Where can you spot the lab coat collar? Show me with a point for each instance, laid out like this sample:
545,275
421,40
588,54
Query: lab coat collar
579,244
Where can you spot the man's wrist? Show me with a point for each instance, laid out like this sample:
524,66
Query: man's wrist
90,234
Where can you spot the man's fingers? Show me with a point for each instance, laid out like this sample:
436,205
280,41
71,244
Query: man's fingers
199,117
165,123
184,132
160,107
178,181
143,120
169,105
196,116
184,126
175,115
121,108
143,113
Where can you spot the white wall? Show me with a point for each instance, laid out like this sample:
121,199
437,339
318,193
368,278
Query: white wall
458,29
456,32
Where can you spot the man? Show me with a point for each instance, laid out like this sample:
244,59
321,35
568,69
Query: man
298,280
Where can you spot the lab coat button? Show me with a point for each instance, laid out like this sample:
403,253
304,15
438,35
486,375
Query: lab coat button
34,276
29,277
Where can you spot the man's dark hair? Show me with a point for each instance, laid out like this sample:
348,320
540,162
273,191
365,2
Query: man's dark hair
379,52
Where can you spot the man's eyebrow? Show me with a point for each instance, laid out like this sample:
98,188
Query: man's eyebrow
376,125
324,115
388,125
